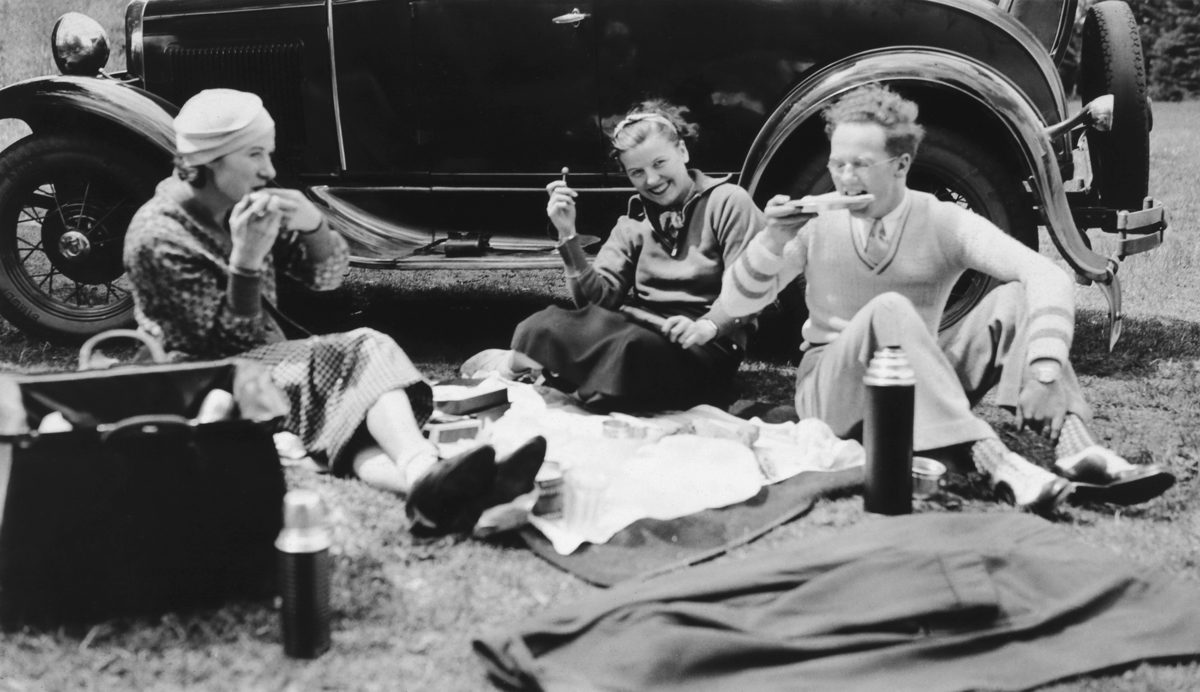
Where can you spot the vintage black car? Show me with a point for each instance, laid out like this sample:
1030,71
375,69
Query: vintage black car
428,128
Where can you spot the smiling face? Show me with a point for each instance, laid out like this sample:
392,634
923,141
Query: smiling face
657,167
859,162
243,171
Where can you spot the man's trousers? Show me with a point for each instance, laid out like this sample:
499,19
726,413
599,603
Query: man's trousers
953,370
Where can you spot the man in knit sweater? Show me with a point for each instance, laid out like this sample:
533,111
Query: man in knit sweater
880,274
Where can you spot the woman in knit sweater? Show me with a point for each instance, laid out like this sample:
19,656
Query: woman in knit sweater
203,255
664,259
880,275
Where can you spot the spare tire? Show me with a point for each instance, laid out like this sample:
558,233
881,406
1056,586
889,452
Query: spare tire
1111,63
952,165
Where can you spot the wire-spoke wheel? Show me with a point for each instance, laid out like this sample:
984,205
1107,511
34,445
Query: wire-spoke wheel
955,169
65,202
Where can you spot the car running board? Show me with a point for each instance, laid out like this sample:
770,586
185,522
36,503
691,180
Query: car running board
379,242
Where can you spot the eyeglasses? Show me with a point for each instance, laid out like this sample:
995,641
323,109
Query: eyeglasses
856,167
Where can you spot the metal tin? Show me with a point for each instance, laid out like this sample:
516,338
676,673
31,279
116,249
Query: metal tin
888,432
305,569
927,476
549,482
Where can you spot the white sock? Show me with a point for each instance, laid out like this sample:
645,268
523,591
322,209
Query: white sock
417,461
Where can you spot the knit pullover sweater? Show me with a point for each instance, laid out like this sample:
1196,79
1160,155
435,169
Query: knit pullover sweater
928,252
633,268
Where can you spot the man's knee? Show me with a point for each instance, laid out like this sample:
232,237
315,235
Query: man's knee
892,303
891,310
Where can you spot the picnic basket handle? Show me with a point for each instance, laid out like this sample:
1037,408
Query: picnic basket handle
151,344
148,424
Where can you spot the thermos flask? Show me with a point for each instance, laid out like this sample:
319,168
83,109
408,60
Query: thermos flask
304,572
888,432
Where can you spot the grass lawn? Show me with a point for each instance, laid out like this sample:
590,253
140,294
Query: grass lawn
404,612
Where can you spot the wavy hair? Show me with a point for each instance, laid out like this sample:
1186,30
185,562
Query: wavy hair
196,176
875,103
652,116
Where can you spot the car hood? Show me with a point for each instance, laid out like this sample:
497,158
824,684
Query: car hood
164,8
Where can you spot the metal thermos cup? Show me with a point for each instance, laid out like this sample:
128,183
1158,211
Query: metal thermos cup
304,572
888,432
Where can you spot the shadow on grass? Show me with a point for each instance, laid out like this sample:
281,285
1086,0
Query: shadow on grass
434,323
1143,341
450,323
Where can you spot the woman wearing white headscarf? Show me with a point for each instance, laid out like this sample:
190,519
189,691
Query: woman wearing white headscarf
202,255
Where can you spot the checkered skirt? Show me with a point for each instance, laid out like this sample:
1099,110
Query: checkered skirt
332,380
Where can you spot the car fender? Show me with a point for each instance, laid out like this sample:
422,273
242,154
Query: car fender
968,78
48,102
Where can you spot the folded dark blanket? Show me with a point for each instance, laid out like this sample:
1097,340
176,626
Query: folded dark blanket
941,601
650,546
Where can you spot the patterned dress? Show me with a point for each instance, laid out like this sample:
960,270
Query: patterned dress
178,265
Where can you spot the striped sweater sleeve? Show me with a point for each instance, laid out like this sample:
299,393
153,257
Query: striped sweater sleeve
759,274
1049,291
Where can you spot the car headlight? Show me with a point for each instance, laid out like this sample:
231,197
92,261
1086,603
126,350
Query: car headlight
134,62
79,44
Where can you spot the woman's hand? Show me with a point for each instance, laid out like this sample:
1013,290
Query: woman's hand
784,221
299,213
561,208
254,226
688,333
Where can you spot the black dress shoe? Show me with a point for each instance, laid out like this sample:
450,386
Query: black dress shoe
452,494
515,473
1130,486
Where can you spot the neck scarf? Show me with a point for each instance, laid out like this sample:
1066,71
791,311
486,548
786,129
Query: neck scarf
670,231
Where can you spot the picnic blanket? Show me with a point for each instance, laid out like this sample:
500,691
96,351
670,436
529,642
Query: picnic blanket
662,469
650,547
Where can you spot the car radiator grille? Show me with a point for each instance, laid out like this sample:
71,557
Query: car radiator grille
273,71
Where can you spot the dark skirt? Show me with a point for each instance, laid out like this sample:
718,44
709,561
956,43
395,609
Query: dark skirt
613,363
332,380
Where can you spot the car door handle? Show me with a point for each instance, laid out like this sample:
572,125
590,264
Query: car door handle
573,17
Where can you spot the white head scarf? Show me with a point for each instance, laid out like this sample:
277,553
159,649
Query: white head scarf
216,122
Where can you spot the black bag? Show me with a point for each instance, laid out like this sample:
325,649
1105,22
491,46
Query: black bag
138,508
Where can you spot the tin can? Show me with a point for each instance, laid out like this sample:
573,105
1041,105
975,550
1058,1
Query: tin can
927,476
549,483
305,568
888,432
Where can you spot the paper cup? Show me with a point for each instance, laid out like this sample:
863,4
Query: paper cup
583,498
549,483
927,476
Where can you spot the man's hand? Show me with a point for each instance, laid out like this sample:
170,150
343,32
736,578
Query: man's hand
688,333
784,220
561,208
1043,407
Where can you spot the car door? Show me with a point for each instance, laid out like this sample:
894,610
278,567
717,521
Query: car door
506,90
727,61
373,66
